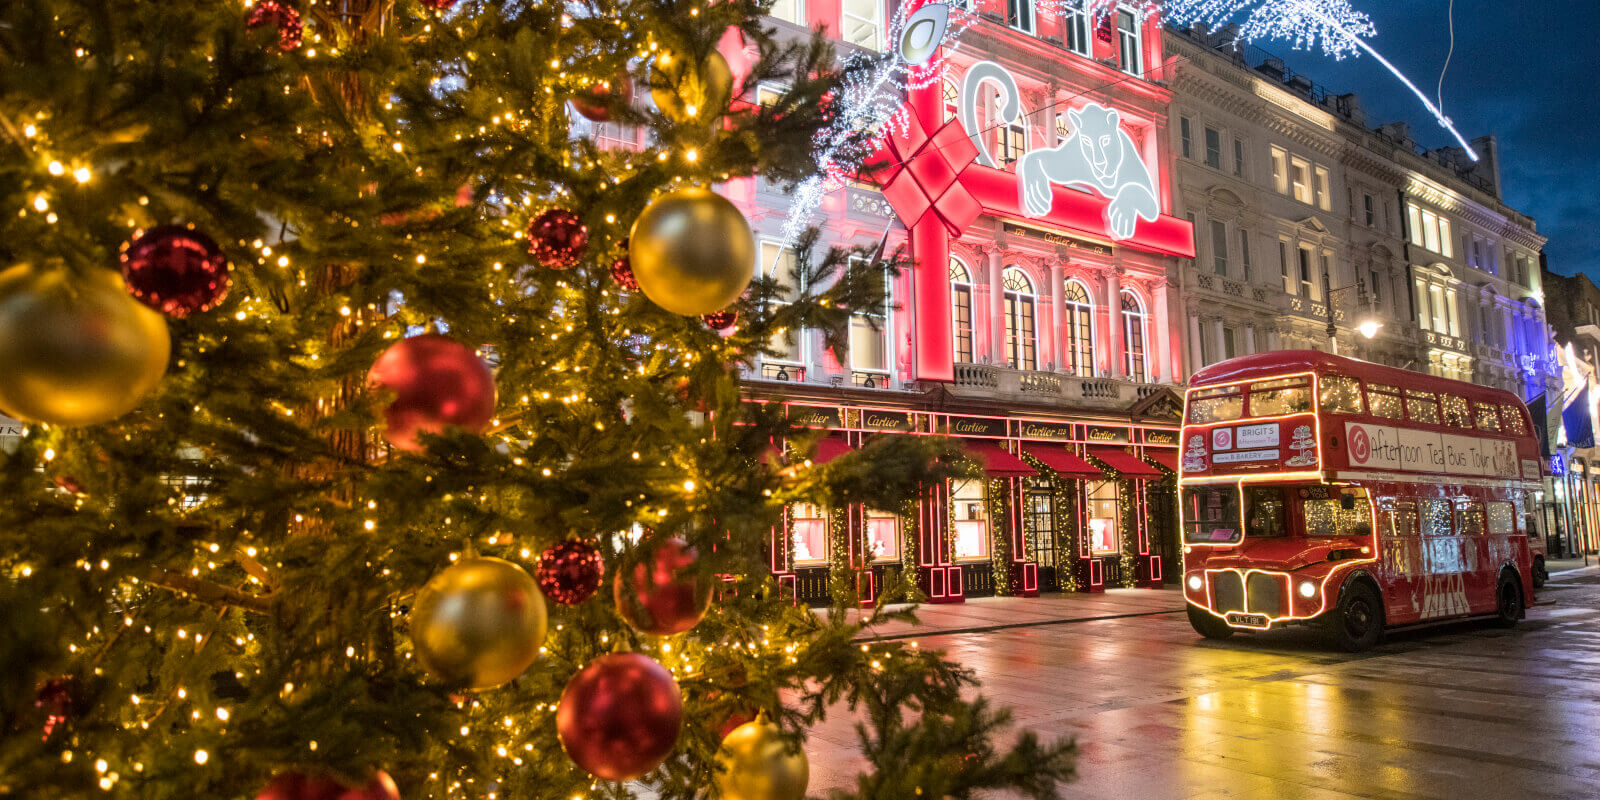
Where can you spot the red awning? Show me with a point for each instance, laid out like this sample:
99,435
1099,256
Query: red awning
1065,463
1164,456
830,448
997,462
1124,462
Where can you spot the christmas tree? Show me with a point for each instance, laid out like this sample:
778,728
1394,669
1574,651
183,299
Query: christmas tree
376,443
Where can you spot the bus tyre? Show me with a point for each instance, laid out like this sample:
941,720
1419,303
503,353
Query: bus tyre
1357,623
1508,605
1207,625
1540,574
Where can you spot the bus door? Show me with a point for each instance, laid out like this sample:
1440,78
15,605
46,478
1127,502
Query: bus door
1400,562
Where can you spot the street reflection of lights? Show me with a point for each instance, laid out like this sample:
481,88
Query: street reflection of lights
1308,589
1195,583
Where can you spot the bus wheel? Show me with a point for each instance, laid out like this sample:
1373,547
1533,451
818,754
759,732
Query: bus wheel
1540,574
1207,625
1357,623
1509,608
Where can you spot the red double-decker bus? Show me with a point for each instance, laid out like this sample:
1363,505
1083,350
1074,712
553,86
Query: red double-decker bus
1326,490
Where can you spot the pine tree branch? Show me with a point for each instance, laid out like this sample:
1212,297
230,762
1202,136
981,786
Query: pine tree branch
209,592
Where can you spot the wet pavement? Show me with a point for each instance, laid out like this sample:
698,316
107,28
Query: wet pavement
1464,710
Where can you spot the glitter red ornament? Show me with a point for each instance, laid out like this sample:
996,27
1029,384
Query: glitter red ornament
661,594
58,699
593,102
557,238
299,786
438,5
176,271
622,273
281,16
570,572
438,383
721,320
620,716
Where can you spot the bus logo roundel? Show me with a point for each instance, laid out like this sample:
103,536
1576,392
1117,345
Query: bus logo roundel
1360,447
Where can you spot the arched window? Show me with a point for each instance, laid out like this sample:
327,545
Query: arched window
1012,138
961,310
1079,322
952,99
1133,333
1021,343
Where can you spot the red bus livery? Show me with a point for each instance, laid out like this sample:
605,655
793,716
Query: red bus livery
1327,490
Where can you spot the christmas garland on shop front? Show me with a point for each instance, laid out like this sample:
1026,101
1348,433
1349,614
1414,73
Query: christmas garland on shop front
995,502
1126,510
1061,503
844,584
910,529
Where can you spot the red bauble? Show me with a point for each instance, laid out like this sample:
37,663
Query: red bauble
721,320
176,271
281,16
570,572
622,273
299,786
59,699
593,102
619,717
662,594
557,238
438,383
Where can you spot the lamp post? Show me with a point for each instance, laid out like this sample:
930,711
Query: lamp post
1368,326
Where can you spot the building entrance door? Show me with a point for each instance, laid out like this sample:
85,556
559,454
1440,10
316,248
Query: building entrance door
1042,531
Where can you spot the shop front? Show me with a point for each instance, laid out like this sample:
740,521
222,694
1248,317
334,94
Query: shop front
1060,506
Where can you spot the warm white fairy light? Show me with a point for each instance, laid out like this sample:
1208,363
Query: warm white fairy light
1333,26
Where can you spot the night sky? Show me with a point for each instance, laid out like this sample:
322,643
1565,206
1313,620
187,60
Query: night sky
1527,72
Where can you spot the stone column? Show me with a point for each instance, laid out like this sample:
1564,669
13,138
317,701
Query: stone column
1249,340
997,308
1196,350
1056,334
1116,359
1160,359
1216,336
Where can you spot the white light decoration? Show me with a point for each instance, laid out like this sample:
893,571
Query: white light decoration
1333,26
872,101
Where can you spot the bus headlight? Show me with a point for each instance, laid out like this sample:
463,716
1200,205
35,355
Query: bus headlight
1195,583
1308,589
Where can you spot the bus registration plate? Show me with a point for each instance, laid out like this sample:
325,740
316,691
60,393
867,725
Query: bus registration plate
1248,620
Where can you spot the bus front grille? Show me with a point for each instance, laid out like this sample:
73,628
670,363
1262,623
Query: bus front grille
1267,594
1227,592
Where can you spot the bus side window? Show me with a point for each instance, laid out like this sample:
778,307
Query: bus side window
1456,413
1401,520
1339,394
1502,519
1469,518
1384,401
1488,420
1435,517
1511,420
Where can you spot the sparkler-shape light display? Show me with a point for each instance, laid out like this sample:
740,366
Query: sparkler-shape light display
1333,26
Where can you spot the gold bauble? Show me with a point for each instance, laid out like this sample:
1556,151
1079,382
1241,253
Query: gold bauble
75,349
757,764
692,252
479,623
691,95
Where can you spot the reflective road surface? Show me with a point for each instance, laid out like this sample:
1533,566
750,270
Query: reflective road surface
1461,711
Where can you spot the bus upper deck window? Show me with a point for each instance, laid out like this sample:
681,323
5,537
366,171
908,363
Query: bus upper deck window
1339,394
1422,407
1511,420
1279,397
1455,411
1384,401
1215,405
1488,420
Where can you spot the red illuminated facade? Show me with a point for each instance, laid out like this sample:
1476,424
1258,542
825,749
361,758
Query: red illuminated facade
1044,341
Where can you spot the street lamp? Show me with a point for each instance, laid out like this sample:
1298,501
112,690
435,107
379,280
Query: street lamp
1368,326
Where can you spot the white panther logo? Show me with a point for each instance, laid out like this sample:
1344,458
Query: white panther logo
1099,156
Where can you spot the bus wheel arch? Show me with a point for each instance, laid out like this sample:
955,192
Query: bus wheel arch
1356,621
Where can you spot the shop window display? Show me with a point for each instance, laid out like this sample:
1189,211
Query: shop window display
1104,522
883,535
810,535
971,519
